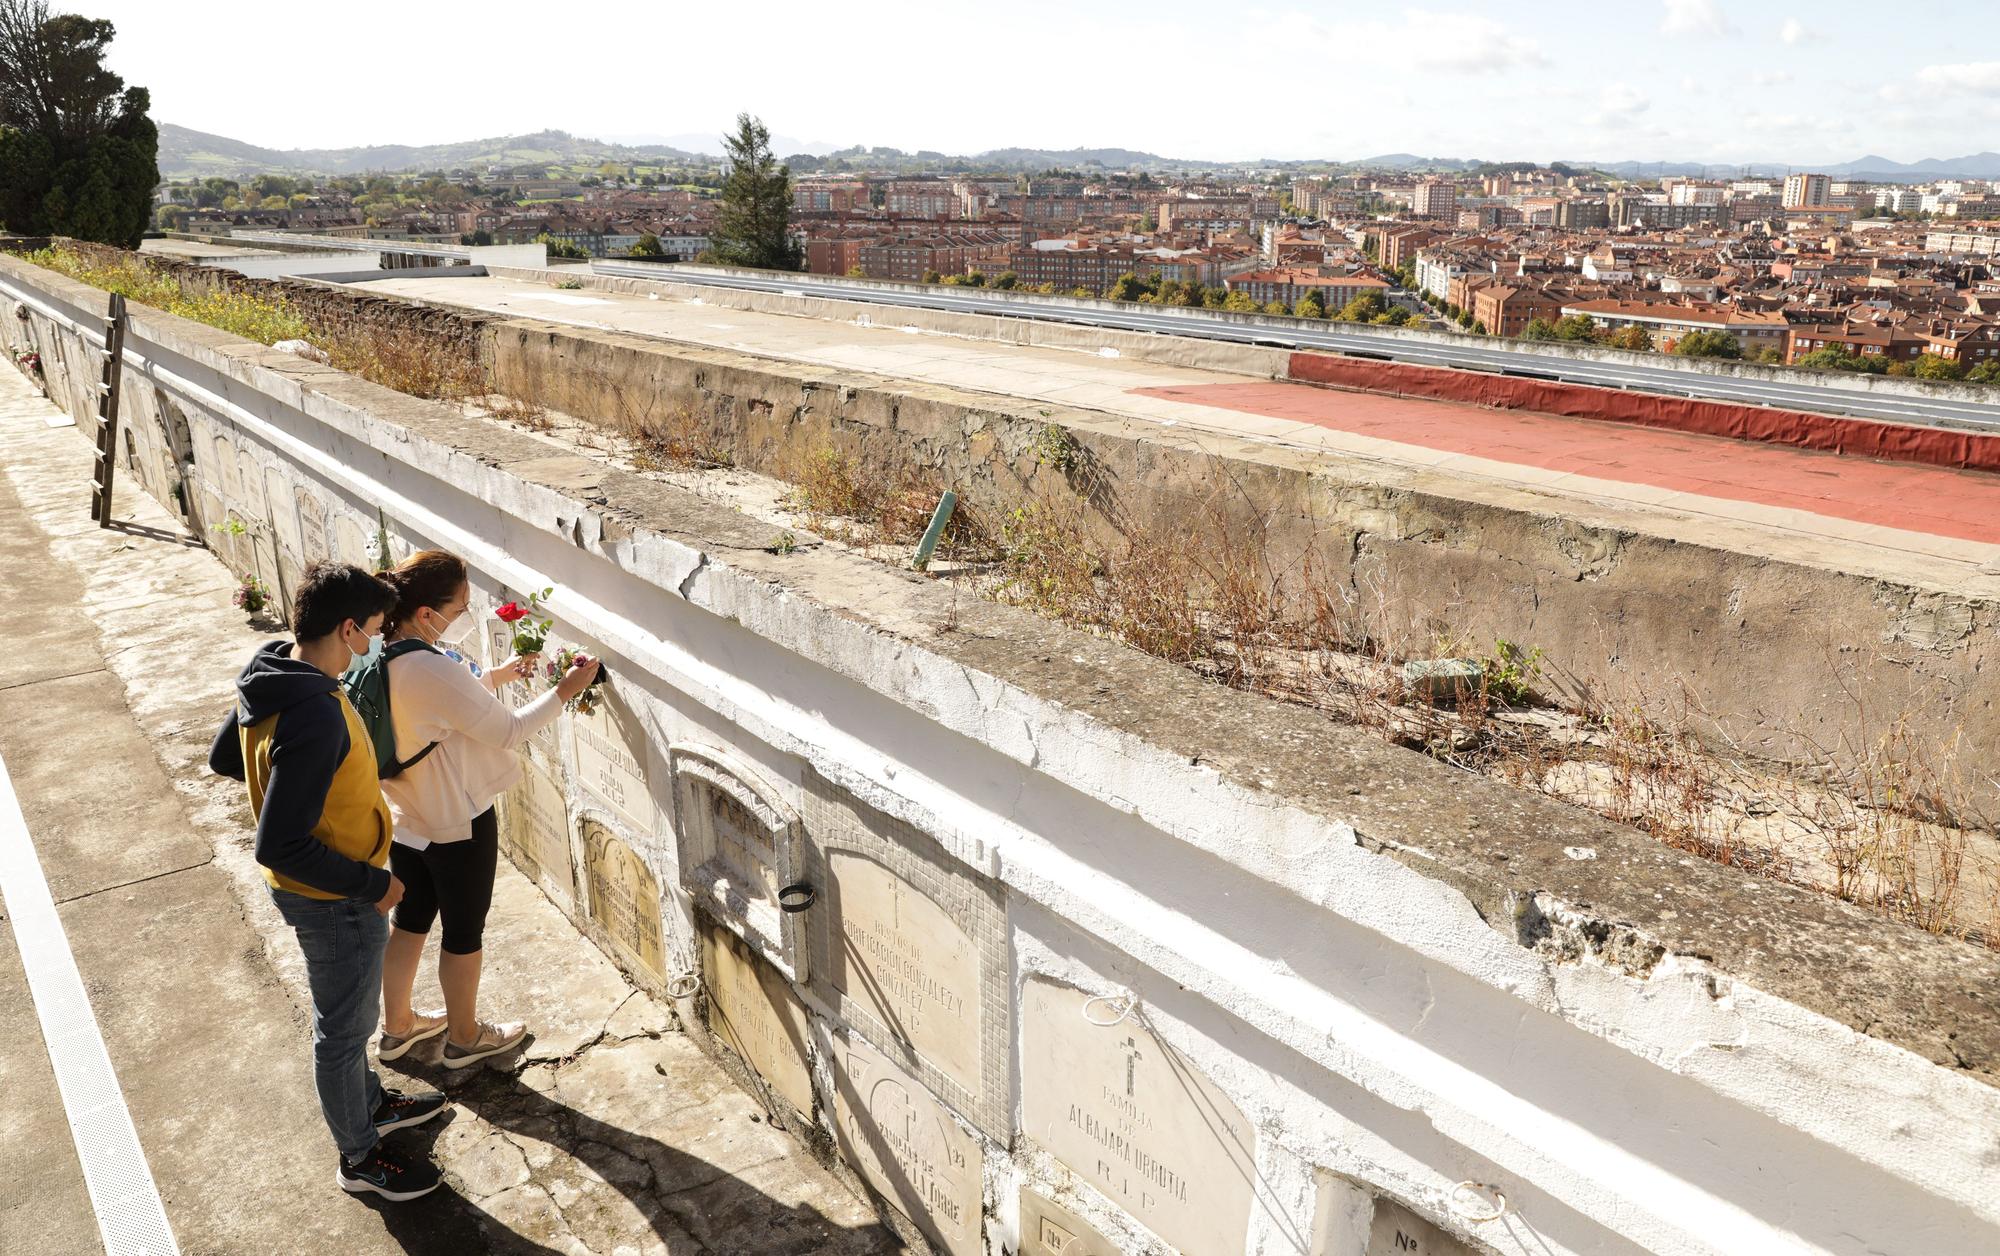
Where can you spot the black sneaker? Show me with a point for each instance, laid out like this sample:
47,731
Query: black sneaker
389,1175
399,1111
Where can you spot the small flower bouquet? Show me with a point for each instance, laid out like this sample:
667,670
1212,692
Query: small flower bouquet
531,626
252,595
556,668
28,360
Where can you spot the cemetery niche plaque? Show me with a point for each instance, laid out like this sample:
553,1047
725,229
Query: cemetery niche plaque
1134,1119
739,845
611,758
907,1146
625,901
754,1013
910,948
312,525
536,833
907,963
1396,1231
350,542
1049,1229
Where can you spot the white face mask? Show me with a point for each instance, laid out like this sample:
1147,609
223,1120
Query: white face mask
457,630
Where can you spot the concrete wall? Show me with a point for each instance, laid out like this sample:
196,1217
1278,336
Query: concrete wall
1100,949
1764,638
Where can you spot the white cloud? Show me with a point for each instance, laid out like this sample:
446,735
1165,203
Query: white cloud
1980,78
1693,17
1619,105
1794,32
1771,78
1464,42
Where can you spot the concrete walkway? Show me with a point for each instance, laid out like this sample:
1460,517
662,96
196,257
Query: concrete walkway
610,1133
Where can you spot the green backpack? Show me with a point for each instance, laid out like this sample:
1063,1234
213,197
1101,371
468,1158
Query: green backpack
367,686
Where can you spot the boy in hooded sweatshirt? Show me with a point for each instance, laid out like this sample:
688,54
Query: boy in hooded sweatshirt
323,835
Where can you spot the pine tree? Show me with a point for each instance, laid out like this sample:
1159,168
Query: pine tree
78,153
753,227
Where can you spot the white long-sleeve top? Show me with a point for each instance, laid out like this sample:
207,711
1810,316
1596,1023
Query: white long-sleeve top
433,698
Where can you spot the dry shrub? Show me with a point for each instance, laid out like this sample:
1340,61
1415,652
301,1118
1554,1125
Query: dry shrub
532,415
408,361
677,441
828,483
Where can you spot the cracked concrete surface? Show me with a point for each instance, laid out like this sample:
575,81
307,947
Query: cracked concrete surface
608,1134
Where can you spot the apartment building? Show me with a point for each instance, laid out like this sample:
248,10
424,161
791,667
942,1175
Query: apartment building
1435,199
1807,191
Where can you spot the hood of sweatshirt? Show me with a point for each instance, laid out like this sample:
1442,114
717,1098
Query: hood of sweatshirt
273,680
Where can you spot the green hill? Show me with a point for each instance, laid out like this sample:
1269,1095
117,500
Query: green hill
186,154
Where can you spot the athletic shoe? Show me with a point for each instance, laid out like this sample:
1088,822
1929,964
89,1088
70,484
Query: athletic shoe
399,1111
382,1172
492,1040
426,1025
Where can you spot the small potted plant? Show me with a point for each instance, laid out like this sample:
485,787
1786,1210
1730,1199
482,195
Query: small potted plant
252,595
531,626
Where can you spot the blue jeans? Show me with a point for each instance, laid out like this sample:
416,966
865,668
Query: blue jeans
342,939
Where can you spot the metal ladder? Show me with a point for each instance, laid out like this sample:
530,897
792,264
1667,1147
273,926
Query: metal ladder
107,412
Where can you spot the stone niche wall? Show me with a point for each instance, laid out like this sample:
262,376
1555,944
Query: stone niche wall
1099,958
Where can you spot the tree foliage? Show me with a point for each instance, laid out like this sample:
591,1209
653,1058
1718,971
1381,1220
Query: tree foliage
77,149
648,245
1707,344
1932,366
1363,308
753,224
1633,337
562,248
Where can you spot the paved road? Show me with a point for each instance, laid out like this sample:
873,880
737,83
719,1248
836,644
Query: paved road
1478,355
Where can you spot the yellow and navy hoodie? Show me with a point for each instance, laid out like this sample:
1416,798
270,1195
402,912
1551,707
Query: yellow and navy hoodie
323,827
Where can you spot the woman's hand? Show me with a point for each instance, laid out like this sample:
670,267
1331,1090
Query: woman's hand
517,668
582,671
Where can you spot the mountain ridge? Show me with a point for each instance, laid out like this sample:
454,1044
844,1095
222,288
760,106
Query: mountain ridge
187,153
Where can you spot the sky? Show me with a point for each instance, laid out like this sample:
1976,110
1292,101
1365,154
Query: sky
1719,81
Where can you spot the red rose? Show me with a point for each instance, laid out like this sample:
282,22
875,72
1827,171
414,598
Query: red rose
511,612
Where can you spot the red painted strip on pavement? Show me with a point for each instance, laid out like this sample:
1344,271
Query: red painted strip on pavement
1867,438
1934,500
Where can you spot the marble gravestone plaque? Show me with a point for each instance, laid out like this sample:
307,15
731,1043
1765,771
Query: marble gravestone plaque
536,834
625,901
284,519
611,759
907,1146
497,637
908,963
752,1010
1049,1229
350,543
312,526
910,948
1396,1231
1133,1118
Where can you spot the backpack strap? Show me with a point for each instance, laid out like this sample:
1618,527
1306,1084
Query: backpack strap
394,650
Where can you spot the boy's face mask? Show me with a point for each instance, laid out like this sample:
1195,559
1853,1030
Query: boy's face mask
373,652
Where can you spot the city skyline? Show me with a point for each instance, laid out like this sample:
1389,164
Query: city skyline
1722,82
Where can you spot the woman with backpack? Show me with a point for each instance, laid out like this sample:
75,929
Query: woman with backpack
459,751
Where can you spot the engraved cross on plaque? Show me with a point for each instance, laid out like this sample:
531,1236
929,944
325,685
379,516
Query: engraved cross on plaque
1132,1056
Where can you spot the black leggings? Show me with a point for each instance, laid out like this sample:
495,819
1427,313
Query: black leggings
452,878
